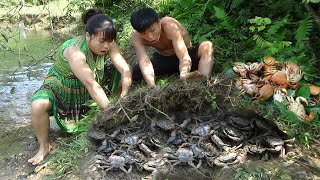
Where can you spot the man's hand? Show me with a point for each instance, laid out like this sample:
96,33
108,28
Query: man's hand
191,75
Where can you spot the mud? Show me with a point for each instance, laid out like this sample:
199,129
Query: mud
19,144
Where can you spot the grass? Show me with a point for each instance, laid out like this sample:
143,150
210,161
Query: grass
260,173
54,8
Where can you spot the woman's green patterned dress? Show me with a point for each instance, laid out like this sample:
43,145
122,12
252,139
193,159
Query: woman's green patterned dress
65,92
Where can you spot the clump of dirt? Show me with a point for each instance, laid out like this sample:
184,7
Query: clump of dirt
195,97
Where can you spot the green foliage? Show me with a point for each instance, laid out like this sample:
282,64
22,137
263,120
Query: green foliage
303,31
260,173
68,154
211,97
8,3
76,6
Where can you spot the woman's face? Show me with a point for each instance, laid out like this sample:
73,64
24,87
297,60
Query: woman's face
97,43
152,34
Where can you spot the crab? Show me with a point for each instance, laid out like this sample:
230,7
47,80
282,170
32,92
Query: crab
246,69
262,127
164,124
297,108
246,86
202,131
279,94
253,148
314,91
273,144
107,145
270,66
184,155
279,79
177,137
234,133
210,149
240,123
264,93
218,142
160,168
230,158
294,74
115,161
241,68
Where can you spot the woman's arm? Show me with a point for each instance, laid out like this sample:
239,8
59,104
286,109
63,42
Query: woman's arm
81,70
123,67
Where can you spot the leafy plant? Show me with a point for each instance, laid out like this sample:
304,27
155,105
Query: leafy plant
211,97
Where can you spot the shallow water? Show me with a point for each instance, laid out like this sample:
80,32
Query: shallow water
22,70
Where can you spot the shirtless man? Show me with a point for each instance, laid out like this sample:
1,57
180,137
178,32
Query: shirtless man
175,52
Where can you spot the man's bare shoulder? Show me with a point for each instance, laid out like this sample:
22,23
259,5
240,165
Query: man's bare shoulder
136,38
169,22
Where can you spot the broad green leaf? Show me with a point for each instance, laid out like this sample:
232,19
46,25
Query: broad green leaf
267,20
260,28
304,91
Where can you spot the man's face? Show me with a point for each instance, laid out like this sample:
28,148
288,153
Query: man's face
97,44
152,34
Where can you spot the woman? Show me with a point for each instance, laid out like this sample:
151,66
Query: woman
74,79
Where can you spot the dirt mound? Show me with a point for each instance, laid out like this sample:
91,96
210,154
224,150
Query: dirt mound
195,97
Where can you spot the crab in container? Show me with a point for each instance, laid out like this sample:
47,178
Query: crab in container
298,109
115,161
294,74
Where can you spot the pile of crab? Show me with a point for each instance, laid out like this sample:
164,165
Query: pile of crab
161,143
272,79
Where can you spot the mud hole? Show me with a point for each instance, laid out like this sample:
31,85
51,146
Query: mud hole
165,120
185,130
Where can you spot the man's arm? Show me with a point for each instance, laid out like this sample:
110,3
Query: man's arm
144,60
174,32
123,67
81,70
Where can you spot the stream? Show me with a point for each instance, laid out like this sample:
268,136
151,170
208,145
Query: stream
22,69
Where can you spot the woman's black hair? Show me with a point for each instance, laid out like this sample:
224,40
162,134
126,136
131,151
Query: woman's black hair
143,19
97,22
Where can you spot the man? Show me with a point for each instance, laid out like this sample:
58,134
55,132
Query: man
174,48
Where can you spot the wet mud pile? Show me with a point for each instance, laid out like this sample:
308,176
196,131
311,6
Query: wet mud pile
183,129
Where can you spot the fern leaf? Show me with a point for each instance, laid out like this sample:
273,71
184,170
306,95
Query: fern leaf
261,42
304,29
236,3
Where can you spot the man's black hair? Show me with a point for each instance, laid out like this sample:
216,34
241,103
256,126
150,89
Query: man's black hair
143,19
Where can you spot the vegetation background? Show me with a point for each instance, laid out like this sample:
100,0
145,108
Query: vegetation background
242,31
